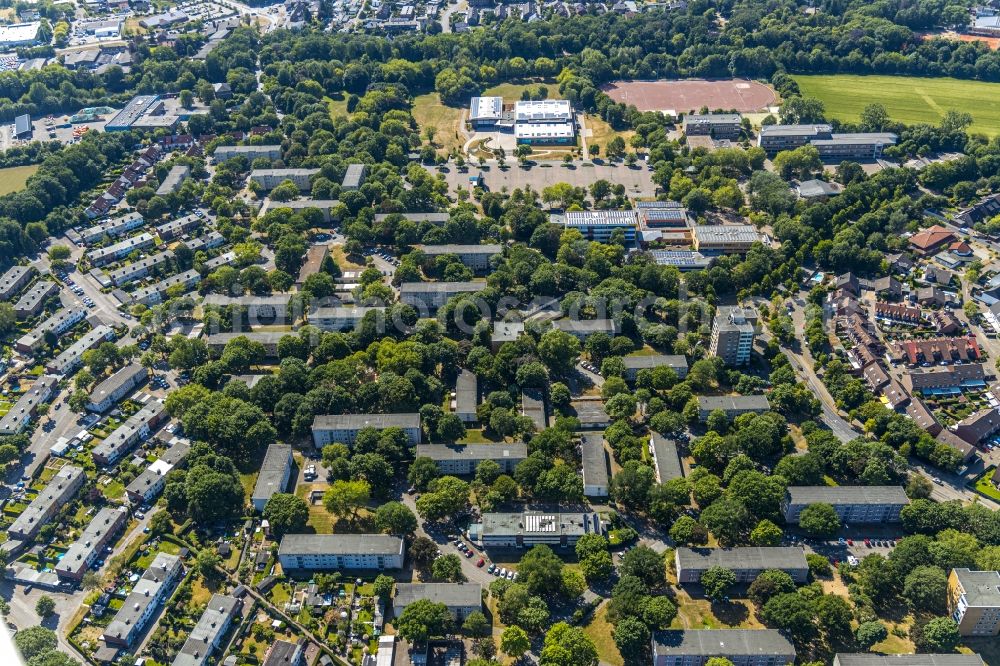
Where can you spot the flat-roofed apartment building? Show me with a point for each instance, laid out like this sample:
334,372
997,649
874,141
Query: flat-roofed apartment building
177,228
715,125
59,490
315,256
14,279
207,634
217,341
868,659
743,647
312,552
158,292
853,504
341,318
136,428
435,219
524,530
71,358
154,587
746,562
464,460
344,428
599,225
270,307
324,206
433,295
732,405
15,420
466,396
269,179
459,598
594,461
173,180
112,228
139,269
636,362
666,459
116,387
475,257
83,552
732,335
725,238
223,153
974,601
106,255
581,329
58,324
274,474
33,300
354,177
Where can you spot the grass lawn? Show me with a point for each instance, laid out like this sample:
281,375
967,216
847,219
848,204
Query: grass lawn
13,179
476,436
601,133
599,631
114,490
511,92
986,487
907,99
338,107
702,614
341,258
320,519
429,111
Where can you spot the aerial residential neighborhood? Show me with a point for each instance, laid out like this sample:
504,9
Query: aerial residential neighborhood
465,333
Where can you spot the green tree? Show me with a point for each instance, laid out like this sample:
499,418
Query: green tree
567,646
687,531
424,619
645,564
631,637
286,513
938,635
597,566
344,498
766,533
834,615
35,640
423,470
926,588
819,520
45,606
448,568
476,625
383,586
791,612
717,581
514,642
869,633
395,518
769,583
540,570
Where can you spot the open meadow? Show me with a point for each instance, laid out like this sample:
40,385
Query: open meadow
908,99
13,179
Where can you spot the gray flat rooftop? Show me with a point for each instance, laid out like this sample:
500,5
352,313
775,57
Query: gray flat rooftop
491,248
277,460
749,557
667,460
720,642
595,460
449,594
847,495
340,544
982,588
748,402
643,361
440,287
517,450
866,659
358,421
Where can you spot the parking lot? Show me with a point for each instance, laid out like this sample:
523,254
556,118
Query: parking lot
638,181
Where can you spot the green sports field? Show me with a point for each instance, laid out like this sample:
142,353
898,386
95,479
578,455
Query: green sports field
907,99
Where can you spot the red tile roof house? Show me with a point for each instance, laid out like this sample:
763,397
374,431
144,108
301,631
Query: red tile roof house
930,240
